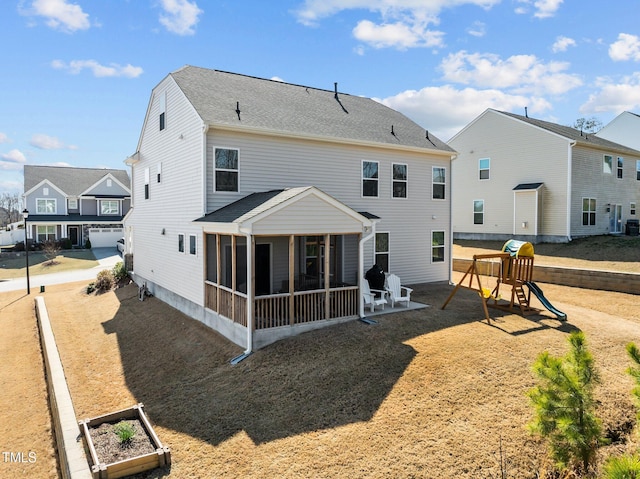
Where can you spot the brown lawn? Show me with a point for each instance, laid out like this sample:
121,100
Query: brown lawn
429,393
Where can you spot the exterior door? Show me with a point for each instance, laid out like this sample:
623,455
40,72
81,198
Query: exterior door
263,269
615,219
73,235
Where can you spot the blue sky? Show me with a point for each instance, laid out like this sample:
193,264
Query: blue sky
78,74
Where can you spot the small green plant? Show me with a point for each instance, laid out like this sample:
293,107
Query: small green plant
622,467
565,407
91,287
87,244
634,372
125,432
119,272
104,281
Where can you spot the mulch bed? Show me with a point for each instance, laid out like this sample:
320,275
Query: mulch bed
110,449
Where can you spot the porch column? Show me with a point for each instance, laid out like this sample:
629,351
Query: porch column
218,272
291,279
327,276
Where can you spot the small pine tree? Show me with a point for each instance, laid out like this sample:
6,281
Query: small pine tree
564,405
634,371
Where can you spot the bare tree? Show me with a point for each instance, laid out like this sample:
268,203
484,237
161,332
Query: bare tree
588,125
51,250
9,208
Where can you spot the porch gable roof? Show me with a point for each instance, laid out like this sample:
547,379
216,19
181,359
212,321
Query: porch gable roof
243,214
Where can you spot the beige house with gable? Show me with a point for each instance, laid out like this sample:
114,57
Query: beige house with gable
519,177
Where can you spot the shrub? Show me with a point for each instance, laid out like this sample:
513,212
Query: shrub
104,281
564,405
91,287
119,272
125,432
623,467
65,243
87,244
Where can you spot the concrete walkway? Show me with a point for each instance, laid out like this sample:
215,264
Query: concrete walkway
107,259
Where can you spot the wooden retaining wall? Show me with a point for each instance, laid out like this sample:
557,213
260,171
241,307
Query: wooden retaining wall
588,279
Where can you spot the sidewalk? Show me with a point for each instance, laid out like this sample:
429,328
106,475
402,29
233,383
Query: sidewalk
107,259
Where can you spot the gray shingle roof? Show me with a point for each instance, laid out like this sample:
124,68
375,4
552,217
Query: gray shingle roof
579,137
298,110
72,181
527,186
239,208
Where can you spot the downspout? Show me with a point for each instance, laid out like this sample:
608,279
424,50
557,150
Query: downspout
203,185
361,266
453,158
569,183
249,272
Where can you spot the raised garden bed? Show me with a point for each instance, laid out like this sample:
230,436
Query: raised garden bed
109,458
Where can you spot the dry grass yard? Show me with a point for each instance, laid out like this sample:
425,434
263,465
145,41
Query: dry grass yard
428,393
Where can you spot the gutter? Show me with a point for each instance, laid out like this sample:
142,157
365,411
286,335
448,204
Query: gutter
453,158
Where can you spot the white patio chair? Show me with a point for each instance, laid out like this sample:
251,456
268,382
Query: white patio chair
370,298
397,293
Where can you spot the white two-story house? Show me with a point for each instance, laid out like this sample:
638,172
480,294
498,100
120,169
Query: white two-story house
79,204
258,205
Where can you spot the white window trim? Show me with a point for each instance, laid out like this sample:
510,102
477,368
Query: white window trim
443,246
184,243
632,208
195,237
55,206
434,183
406,182
55,232
582,211
619,167
71,207
604,157
484,169
102,213
388,252
473,212
362,178
638,170
237,171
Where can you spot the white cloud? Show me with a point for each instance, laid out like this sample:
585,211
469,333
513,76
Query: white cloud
478,29
4,138
59,14
112,70
445,110
402,24
523,74
542,8
626,48
562,44
614,97
14,160
46,142
180,16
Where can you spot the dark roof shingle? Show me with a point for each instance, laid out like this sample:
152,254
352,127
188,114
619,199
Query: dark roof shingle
73,181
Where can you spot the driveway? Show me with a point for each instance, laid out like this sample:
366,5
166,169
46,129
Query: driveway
107,259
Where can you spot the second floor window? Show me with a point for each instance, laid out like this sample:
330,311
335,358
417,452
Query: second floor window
620,166
439,183
181,243
370,178
46,206
109,207
588,211
607,164
484,168
226,169
399,180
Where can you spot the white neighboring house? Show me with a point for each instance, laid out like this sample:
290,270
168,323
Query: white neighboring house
258,205
76,203
519,177
624,129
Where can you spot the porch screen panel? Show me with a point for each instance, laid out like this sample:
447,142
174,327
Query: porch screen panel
226,259
212,259
241,264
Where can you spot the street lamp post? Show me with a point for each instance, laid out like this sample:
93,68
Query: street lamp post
25,215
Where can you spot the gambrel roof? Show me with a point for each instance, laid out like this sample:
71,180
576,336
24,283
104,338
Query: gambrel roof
71,181
232,100
581,138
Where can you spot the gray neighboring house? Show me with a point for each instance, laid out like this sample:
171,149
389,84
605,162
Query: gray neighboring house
258,205
520,177
76,203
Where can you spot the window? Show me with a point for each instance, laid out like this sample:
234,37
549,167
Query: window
382,250
632,209
484,166
370,178
46,206
399,180
162,103
192,244
439,182
46,233
226,169
620,166
181,243
45,191
146,183
437,246
588,211
109,207
73,203
109,182
159,171
607,165
638,170
478,212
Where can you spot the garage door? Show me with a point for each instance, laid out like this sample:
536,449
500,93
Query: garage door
105,237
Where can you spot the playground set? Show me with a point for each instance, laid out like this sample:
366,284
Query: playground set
515,269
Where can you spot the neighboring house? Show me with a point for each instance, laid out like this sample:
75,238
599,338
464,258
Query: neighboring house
518,177
624,129
258,205
76,203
